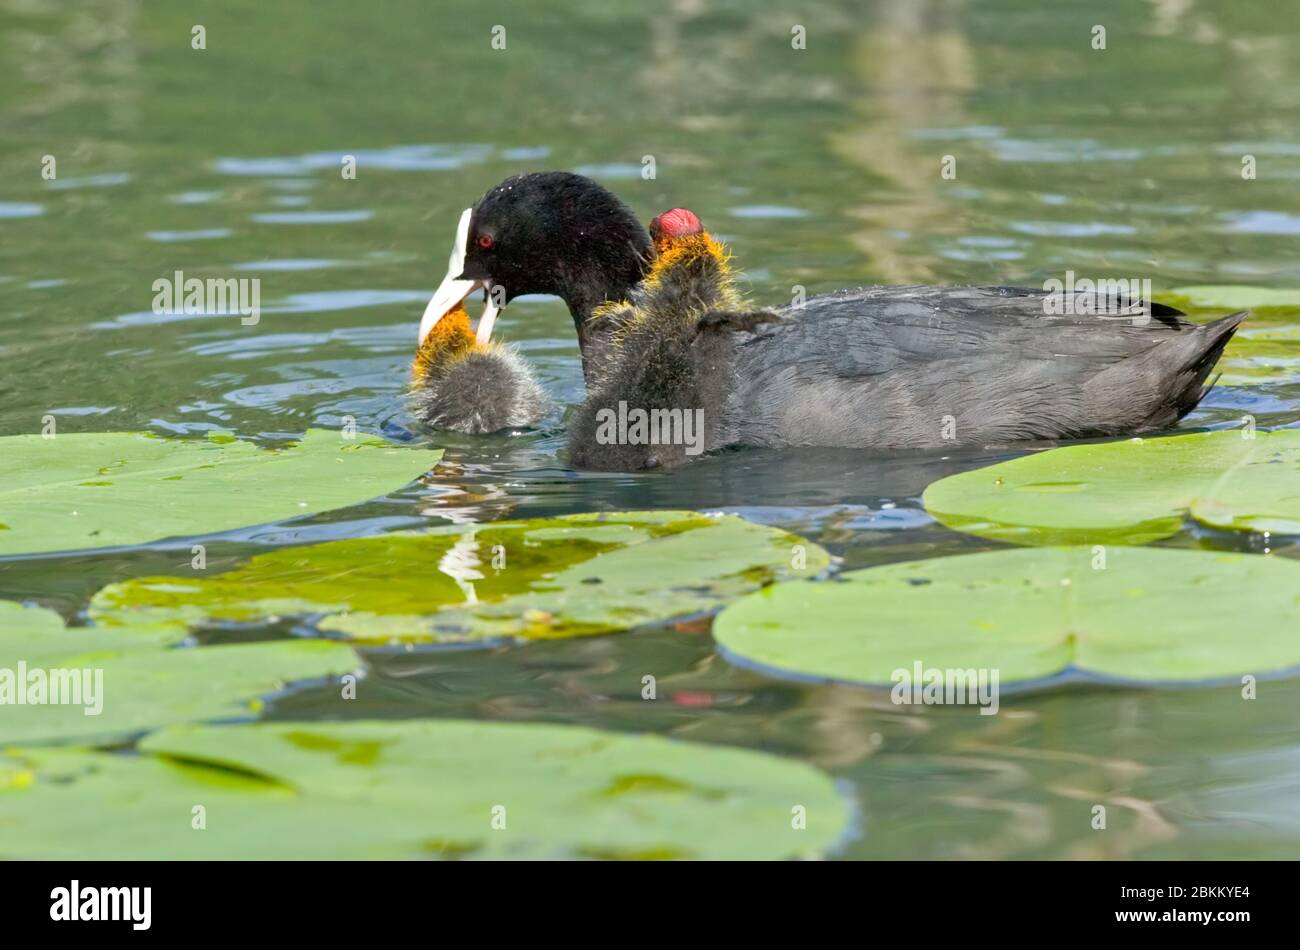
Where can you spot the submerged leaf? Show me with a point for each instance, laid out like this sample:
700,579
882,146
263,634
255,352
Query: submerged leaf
1262,354
547,578
1233,297
1266,349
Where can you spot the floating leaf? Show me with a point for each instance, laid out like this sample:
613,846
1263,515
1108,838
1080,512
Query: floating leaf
38,635
1262,354
1267,347
548,578
1147,614
442,789
133,680
1130,492
92,490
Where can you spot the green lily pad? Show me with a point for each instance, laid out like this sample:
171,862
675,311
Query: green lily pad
1262,354
443,789
548,578
134,681
1129,492
1146,614
104,489
1267,347
39,636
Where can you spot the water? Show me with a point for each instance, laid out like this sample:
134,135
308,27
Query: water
820,167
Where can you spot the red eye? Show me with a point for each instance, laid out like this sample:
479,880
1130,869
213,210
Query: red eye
485,241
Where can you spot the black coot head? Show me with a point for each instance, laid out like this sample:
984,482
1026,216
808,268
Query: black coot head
556,233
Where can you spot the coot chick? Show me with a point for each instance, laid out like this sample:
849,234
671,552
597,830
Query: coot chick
463,382
657,396
882,367
689,275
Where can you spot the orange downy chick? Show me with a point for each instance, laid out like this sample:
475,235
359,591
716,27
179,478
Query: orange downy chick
451,337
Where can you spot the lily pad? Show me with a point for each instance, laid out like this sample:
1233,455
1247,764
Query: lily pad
443,789
548,578
40,636
1130,492
105,489
133,680
1143,614
1262,354
1267,348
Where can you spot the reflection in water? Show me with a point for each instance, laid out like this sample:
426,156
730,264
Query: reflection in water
897,97
461,564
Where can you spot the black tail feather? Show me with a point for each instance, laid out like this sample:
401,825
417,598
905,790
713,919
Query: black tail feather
1213,337
1160,385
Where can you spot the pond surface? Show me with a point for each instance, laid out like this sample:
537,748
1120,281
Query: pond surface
820,167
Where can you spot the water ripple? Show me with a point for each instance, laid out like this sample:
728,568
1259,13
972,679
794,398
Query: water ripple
20,209
1070,229
320,301
207,234
766,211
288,264
313,217
111,180
404,158
1261,222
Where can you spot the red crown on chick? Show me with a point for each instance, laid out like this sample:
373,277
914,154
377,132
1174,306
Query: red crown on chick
679,222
